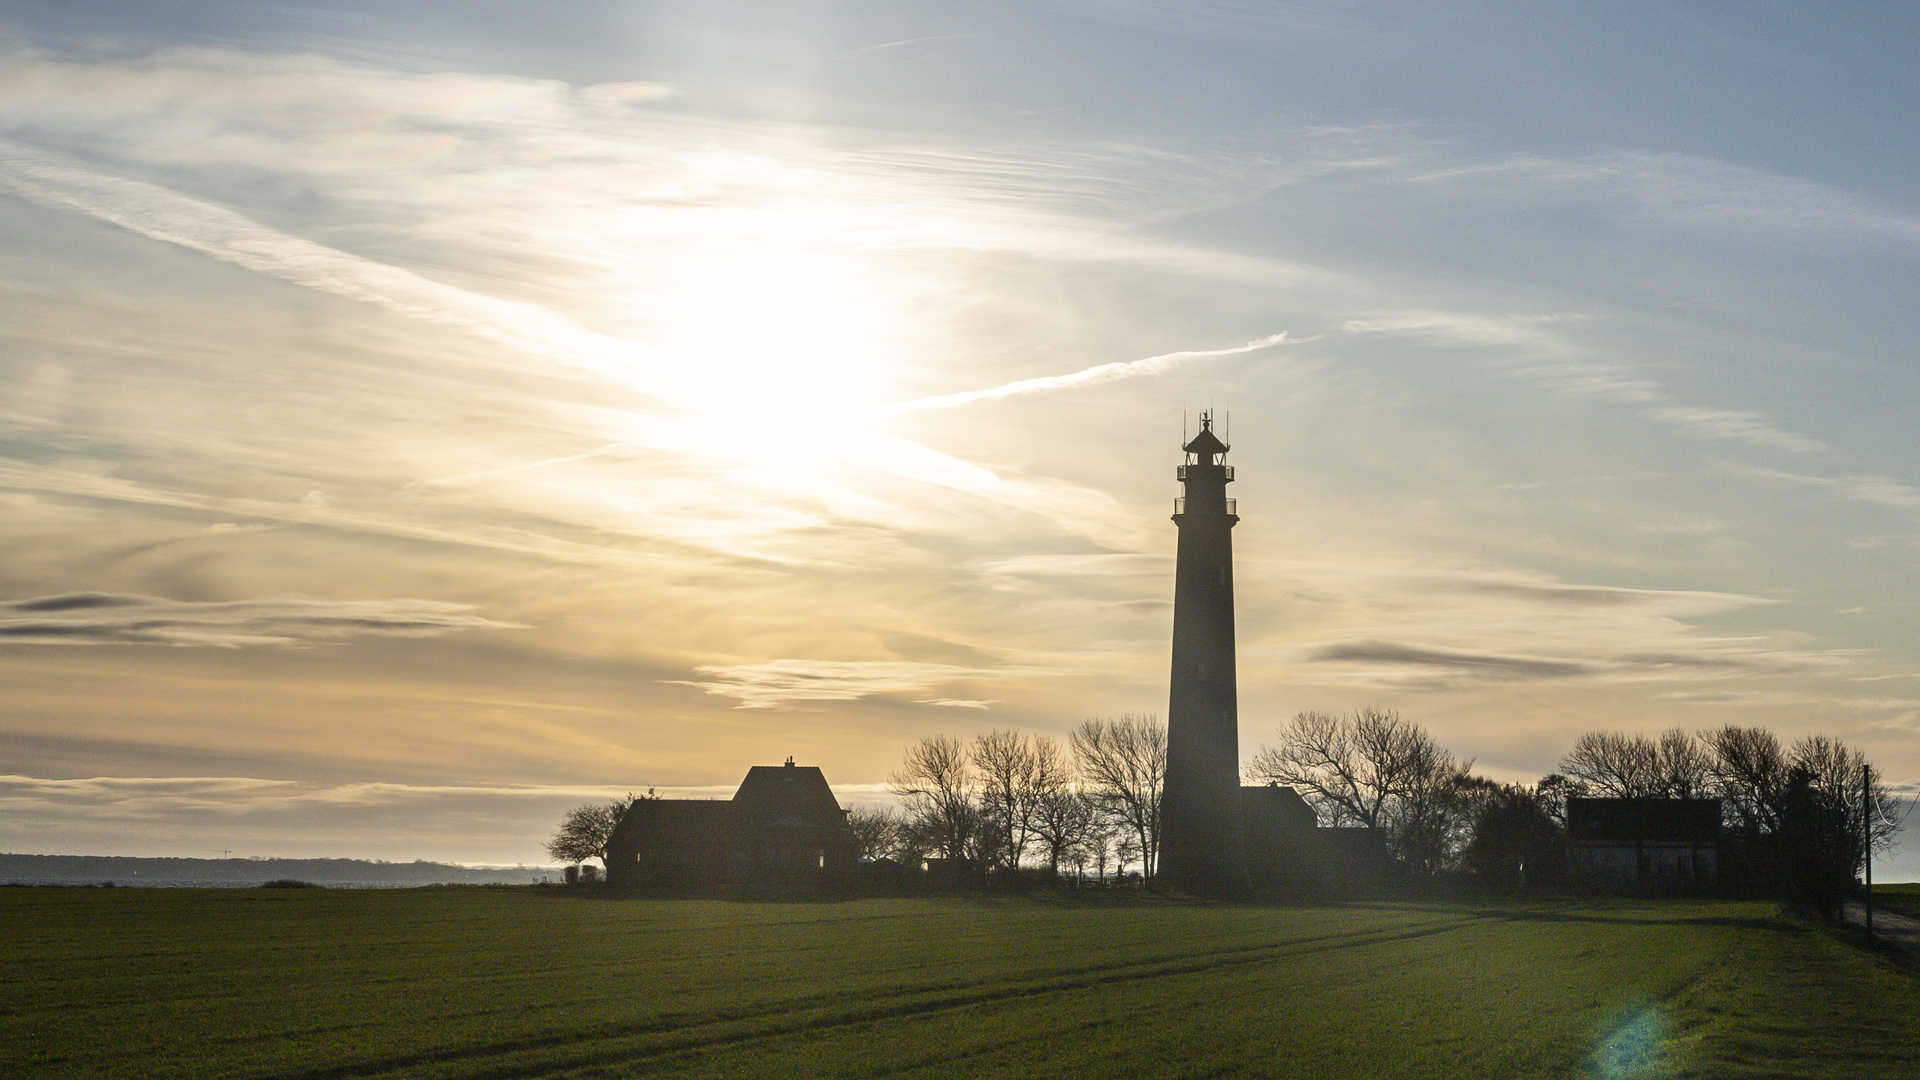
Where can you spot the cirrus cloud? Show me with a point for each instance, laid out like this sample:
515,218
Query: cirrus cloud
777,684
99,618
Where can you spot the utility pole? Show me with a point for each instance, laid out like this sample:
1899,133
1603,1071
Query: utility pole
1866,837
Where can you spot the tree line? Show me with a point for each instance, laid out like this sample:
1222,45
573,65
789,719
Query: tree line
1009,799
1797,819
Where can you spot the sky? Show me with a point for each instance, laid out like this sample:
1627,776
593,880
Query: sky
417,418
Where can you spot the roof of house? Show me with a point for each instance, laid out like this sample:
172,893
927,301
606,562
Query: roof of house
1629,821
1272,805
676,821
794,800
792,793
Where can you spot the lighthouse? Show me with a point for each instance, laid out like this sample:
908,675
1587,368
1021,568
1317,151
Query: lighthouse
1201,849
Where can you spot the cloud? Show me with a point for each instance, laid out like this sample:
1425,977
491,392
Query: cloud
175,798
1484,665
1747,427
1877,490
73,602
1404,629
1586,596
1568,373
778,684
626,93
1676,188
1453,327
1093,376
117,619
536,331
1705,192
215,231
1446,590
1685,528
956,703
1585,379
1095,566
411,521
1794,699
1387,662
1365,29
1685,661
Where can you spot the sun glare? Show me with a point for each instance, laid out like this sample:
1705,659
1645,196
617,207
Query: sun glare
781,350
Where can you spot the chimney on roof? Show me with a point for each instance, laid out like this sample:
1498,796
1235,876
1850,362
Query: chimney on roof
789,761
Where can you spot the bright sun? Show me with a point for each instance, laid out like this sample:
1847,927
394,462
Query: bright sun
781,349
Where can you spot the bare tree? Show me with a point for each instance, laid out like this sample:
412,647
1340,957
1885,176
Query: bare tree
1126,849
1748,771
1618,765
1016,773
1374,769
876,830
1682,768
1613,764
586,828
1838,773
913,842
1124,765
1430,826
1353,768
1552,793
1097,846
1063,822
936,786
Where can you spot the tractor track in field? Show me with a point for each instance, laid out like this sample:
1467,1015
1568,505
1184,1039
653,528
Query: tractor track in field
680,1038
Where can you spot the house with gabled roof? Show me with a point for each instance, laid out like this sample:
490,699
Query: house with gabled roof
1289,852
1644,845
782,827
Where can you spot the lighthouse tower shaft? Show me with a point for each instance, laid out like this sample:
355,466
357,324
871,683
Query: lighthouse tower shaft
1201,847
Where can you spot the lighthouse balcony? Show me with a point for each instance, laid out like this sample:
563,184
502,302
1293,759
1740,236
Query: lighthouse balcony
1226,472
1180,506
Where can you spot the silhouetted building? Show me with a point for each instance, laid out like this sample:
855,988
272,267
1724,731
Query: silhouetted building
1276,828
1201,847
1288,853
1644,845
782,827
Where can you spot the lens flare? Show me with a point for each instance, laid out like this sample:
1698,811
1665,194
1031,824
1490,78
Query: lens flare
1635,1049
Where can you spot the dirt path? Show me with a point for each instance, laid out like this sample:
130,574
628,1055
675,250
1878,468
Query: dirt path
1899,931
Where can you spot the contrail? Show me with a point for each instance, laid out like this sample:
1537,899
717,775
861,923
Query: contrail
1103,373
530,330
897,44
489,474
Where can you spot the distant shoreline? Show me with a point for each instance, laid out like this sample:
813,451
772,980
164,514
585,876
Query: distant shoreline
126,870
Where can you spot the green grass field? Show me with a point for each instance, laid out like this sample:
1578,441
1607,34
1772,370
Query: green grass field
1902,897
464,982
